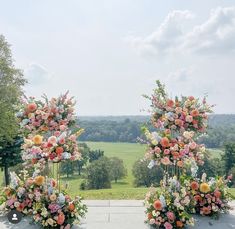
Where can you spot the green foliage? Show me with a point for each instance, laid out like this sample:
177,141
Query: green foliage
229,157
10,155
98,174
11,82
232,172
67,168
117,169
84,149
212,166
145,176
95,155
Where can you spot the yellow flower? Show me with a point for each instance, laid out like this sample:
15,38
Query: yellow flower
50,221
37,139
39,180
204,187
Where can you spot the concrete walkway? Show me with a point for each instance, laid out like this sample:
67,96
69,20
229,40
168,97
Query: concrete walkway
124,214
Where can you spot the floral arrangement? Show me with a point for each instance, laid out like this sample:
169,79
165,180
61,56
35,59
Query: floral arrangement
58,147
40,198
211,196
179,114
178,123
169,207
47,115
166,150
46,126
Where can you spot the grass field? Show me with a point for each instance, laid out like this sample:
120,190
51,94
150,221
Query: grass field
123,189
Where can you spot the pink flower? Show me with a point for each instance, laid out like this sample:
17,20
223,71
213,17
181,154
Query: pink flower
57,133
170,216
166,151
157,150
193,145
62,127
165,161
52,140
62,141
167,225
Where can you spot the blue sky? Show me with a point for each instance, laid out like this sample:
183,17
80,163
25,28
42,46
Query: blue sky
108,53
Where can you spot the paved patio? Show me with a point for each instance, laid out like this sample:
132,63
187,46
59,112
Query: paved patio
124,214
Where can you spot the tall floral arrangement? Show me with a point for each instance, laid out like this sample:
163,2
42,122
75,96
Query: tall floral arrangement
50,135
173,145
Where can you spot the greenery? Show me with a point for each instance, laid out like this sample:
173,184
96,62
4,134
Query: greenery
145,176
117,169
229,157
98,175
127,129
11,82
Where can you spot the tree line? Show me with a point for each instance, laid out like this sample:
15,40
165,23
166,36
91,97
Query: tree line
128,129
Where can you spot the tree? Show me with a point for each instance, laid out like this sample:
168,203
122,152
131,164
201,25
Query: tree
10,155
95,155
11,82
85,156
117,169
67,167
145,176
98,175
229,157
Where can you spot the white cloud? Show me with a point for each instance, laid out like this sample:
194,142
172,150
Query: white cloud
36,74
214,36
165,38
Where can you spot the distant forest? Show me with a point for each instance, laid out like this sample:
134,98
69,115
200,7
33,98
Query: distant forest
128,129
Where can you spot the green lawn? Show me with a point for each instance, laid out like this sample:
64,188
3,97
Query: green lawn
123,189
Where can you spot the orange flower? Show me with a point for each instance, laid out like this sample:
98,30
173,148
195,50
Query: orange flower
180,164
194,185
206,210
158,205
59,150
37,139
194,113
204,187
217,193
7,191
61,218
165,142
150,216
71,207
39,180
170,103
31,107
179,224
175,154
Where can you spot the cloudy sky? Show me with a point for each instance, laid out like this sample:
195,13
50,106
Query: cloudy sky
108,53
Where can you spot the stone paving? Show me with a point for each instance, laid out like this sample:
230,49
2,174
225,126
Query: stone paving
124,214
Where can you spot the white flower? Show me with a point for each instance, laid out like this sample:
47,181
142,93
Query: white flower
151,164
61,198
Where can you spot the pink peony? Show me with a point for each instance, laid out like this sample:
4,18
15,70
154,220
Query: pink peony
170,216
167,225
52,140
165,161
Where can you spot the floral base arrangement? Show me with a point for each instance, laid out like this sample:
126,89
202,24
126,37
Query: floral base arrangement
169,207
40,199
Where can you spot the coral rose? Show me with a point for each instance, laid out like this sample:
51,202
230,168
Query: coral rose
165,142
180,164
204,187
37,139
170,103
31,107
179,224
165,161
59,150
53,197
194,113
71,207
39,180
194,185
206,210
157,205
217,193
150,216
60,219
